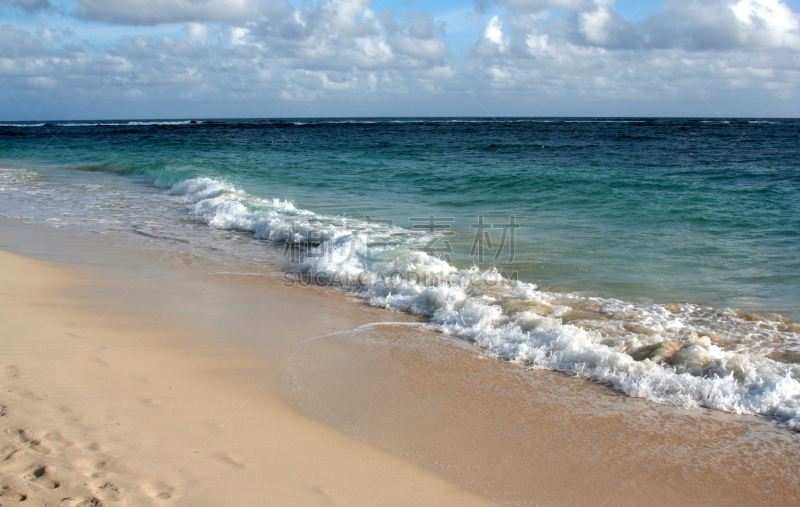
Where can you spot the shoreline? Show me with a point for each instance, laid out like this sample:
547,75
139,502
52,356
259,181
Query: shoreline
148,407
673,352
540,437
193,389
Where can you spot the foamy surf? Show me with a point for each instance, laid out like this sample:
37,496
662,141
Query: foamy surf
105,124
685,355
129,123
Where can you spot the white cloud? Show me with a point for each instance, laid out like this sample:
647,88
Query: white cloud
198,33
767,23
536,6
270,50
549,5
689,48
492,41
146,12
594,25
493,33
44,33
335,48
29,5
691,24
17,43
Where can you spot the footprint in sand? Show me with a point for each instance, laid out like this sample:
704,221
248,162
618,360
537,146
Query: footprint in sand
7,493
99,362
161,491
56,439
8,453
24,437
230,460
9,371
91,502
42,476
108,492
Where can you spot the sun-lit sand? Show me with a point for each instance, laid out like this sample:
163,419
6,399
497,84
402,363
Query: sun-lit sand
132,399
143,378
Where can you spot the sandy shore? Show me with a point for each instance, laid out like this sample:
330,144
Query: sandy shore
138,386
534,437
143,378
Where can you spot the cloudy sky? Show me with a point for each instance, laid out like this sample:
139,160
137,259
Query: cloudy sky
94,59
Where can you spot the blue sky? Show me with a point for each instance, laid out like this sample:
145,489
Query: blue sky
85,59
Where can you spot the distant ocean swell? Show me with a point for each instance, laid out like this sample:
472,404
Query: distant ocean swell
680,354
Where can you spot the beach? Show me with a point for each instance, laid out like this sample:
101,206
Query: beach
435,311
367,253
119,397
135,378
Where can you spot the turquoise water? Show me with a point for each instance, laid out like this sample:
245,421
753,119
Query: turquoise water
665,210
650,254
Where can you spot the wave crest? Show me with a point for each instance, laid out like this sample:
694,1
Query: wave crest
684,355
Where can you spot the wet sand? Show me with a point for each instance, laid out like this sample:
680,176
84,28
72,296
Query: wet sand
534,437
145,378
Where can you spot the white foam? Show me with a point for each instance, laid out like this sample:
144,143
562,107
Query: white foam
127,124
684,355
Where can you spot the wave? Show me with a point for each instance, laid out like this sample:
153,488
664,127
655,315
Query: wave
104,124
606,121
685,355
354,122
129,124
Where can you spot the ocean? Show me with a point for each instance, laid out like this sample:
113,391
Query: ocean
660,257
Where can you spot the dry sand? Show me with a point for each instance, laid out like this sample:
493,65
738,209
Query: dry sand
136,378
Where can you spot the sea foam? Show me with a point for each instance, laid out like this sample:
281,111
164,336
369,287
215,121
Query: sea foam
685,355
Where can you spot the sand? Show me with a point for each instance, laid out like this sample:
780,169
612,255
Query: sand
147,378
534,437
113,395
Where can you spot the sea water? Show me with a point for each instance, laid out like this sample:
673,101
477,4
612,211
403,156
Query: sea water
658,256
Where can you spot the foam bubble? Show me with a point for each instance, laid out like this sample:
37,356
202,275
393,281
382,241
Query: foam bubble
684,355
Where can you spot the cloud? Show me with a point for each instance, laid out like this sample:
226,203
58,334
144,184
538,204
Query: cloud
346,34
690,24
154,12
337,48
750,24
29,5
549,5
492,41
605,27
714,47
535,6
17,43
551,52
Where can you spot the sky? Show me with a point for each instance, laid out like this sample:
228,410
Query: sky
101,59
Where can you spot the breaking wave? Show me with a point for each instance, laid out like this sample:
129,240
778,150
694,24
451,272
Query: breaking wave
680,354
